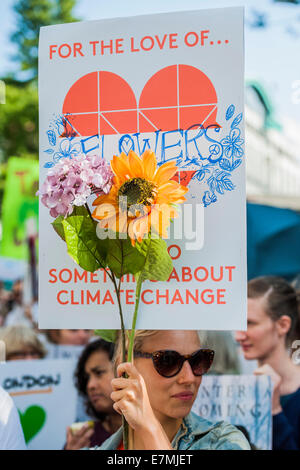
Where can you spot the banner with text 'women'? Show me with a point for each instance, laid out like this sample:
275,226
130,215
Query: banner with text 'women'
172,83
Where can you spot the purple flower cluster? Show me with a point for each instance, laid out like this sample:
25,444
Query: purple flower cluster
71,181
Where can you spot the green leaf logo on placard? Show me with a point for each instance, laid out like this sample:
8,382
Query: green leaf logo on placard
32,421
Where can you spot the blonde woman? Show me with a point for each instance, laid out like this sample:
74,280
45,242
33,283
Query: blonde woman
157,397
21,342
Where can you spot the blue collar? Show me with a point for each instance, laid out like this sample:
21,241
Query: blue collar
191,427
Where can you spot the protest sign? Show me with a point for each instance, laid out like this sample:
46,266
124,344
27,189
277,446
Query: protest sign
72,352
242,400
19,205
63,351
38,389
108,87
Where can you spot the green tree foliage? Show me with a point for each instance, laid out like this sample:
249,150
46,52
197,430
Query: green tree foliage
19,114
31,15
19,121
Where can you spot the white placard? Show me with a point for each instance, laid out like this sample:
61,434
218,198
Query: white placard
242,400
173,82
64,351
40,388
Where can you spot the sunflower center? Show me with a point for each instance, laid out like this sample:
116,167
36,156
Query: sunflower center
137,191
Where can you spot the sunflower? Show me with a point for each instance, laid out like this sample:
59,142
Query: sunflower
142,197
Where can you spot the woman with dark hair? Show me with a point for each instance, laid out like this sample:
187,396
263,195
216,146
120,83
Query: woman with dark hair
273,324
94,374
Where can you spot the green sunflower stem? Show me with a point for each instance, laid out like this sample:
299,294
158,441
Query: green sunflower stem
139,279
117,288
124,422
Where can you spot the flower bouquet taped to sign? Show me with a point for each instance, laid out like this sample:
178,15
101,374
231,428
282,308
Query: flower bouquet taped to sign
134,204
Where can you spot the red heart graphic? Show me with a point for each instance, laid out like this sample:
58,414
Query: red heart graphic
176,97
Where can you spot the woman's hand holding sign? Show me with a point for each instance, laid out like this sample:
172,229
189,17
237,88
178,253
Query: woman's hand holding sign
131,399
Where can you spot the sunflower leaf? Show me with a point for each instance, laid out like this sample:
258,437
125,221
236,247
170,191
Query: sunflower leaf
58,222
84,246
123,258
58,227
80,210
158,263
107,335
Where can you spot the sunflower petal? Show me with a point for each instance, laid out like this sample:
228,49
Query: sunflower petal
170,192
136,165
139,227
168,186
149,162
103,199
104,211
122,222
165,173
120,167
124,157
170,199
116,223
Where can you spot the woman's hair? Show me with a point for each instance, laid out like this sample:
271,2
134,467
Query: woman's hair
18,337
139,337
81,378
281,299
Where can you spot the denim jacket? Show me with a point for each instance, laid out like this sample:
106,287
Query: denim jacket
196,433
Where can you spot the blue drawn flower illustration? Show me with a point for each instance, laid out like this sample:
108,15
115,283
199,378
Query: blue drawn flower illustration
230,112
208,198
236,121
200,174
67,149
51,137
58,122
232,144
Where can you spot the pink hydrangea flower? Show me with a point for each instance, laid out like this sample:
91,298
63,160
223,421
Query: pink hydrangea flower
71,181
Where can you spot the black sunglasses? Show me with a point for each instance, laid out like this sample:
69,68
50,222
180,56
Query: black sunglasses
169,363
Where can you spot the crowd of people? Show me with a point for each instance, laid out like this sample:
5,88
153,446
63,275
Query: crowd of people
160,387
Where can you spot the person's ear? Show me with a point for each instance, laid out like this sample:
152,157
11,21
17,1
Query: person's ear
283,325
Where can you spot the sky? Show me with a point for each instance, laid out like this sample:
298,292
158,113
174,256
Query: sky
271,54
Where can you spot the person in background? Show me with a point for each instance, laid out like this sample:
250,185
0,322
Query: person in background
94,374
16,295
17,312
69,337
273,323
157,397
21,342
4,303
11,434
